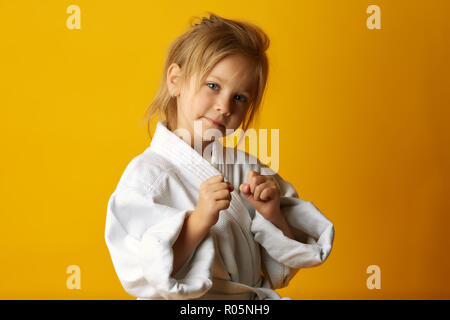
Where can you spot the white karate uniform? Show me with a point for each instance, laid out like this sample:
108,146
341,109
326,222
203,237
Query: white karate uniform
157,191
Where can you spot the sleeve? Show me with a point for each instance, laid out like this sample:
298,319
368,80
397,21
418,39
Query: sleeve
139,233
281,256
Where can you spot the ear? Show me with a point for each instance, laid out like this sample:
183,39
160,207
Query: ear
173,73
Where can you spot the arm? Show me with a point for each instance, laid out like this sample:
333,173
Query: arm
140,233
297,236
281,223
214,196
191,235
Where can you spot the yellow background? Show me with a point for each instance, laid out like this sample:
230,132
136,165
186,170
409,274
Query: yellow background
363,118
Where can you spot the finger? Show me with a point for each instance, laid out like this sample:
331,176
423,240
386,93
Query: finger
244,188
251,174
222,195
220,186
260,188
256,181
215,179
222,204
268,193
229,186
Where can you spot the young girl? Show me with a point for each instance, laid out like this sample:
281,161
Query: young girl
182,224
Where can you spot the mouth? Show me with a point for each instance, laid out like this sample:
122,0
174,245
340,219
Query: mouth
215,123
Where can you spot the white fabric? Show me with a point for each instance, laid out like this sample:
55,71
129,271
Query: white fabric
157,191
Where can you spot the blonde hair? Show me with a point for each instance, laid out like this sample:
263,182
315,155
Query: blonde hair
199,49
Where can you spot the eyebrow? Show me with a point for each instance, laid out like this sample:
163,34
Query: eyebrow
221,80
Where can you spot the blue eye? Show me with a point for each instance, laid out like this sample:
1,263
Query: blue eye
244,99
211,83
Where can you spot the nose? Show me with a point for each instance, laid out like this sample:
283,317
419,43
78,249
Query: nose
224,107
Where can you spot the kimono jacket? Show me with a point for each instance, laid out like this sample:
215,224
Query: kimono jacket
244,256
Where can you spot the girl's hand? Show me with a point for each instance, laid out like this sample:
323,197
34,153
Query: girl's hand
263,193
215,195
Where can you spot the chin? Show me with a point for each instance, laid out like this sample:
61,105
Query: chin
214,133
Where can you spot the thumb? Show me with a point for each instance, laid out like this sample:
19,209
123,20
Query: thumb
245,188
246,191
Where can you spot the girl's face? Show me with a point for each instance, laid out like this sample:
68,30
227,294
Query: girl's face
222,100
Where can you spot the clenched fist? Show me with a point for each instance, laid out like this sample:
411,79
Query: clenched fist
215,195
263,193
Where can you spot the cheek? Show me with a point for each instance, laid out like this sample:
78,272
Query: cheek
201,104
239,116
235,123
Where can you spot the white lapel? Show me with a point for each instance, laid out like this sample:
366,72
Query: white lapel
182,155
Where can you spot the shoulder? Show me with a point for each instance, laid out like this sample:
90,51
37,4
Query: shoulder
146,170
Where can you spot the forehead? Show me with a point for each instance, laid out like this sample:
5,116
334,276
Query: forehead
236,71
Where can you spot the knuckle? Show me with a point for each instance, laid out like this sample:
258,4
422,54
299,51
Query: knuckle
251,174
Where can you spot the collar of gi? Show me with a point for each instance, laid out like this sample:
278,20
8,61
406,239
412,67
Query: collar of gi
176,150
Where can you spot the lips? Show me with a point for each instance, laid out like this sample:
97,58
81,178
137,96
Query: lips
214,122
